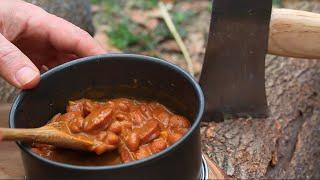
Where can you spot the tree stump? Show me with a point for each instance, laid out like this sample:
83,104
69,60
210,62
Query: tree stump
285,145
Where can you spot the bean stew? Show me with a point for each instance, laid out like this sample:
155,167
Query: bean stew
136,128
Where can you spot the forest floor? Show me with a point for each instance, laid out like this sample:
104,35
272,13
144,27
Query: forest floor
136,26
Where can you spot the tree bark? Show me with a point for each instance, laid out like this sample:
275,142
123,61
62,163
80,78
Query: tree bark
285,145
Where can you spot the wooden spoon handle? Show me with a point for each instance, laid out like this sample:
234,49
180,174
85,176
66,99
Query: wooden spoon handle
52,136
46,135
9,134
294,33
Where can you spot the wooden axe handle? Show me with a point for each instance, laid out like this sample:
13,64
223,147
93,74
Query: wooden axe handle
294,33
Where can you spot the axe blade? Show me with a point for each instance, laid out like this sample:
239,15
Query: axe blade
233,72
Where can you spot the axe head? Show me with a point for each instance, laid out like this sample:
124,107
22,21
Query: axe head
233,72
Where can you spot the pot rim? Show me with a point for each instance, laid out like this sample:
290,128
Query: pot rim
133,57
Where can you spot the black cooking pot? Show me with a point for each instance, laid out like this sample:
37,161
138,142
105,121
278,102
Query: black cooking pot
111,76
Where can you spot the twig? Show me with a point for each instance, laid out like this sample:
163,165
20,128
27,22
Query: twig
177,37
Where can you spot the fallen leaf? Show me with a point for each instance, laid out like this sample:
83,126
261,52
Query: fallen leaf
155,13
147,19
195,43
95,9
103,40
197,66
170,45
175,58
195,7
168,1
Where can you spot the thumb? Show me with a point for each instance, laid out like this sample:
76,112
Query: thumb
15,67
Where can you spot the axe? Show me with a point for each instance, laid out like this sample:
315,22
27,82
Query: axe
241,33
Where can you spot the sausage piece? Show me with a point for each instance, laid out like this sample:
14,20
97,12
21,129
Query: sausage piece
76,106
137,118
158,145
111,138
143,152
90,106
162,117
76,124
133,141
97,119
101,136
115,127
177,121
84,106
125,154
74,121
149,131
122,104
173,137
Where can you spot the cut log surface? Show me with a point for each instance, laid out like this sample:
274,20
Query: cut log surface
285,145
10,161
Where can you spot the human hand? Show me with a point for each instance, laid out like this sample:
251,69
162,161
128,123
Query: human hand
30,38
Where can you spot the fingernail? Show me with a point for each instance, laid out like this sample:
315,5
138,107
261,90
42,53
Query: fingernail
25,75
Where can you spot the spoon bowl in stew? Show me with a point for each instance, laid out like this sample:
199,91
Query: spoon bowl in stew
108,77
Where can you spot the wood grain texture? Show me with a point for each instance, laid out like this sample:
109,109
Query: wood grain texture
53,136
11,166
4,114
10,160
214,171
284,146
294,33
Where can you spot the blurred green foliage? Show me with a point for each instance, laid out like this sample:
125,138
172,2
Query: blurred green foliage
121,36
145,4
126,34
180,16
96,1
277,2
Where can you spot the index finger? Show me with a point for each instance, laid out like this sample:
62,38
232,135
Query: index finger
66,37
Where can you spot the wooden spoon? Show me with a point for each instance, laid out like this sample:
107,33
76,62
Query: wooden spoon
56,134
